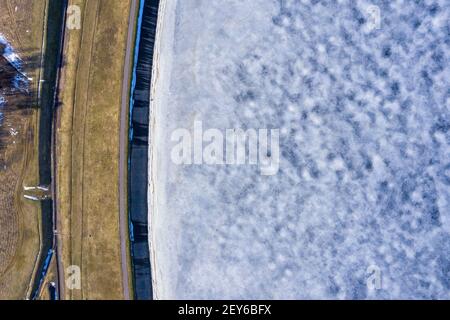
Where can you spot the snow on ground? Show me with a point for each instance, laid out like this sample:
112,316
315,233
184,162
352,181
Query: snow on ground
2,103
20,82
9,53
359,208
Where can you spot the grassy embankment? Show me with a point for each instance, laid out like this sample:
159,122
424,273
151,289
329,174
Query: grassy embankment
88,147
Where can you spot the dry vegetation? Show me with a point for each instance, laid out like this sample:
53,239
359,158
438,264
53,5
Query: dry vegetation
88,147
21,22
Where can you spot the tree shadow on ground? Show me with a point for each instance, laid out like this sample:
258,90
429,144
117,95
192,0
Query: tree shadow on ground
18,93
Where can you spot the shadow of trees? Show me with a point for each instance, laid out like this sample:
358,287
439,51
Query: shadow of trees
18,93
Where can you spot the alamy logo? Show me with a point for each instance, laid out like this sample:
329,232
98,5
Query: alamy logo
73,21
73,280
228,147
373,17
374,277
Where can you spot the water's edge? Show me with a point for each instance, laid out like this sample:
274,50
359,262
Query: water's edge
138,149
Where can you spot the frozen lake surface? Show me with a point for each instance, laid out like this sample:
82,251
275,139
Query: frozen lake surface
360,205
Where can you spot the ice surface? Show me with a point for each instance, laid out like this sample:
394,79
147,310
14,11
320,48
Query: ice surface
362,193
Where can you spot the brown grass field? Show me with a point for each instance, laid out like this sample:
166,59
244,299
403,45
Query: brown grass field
22,23
88,148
